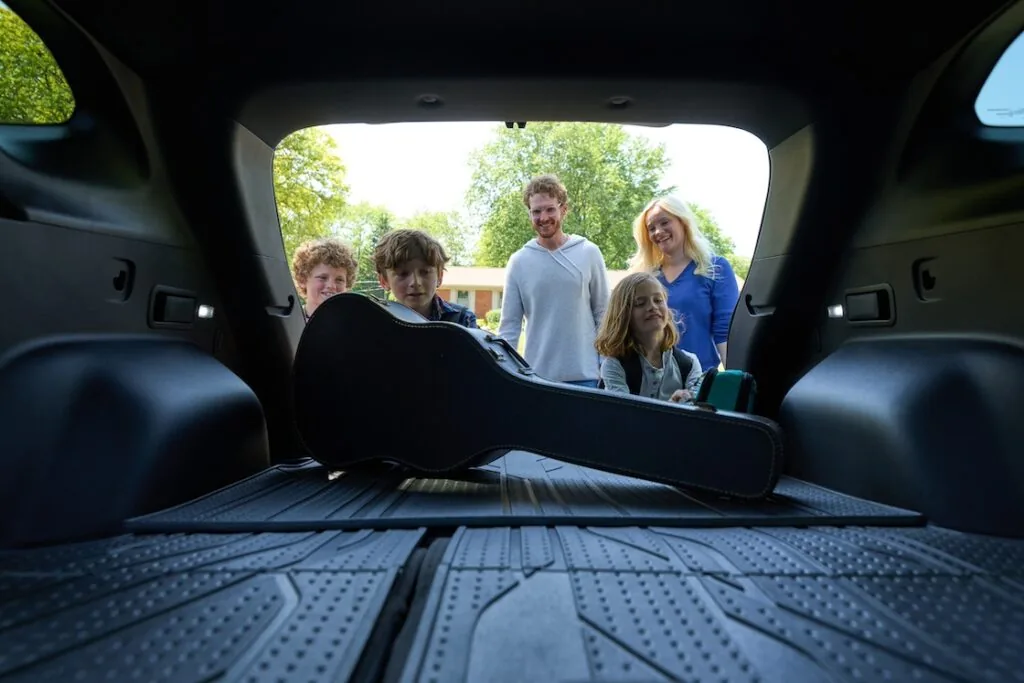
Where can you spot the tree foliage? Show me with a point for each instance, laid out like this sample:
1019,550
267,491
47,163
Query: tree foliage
721,244
740,264
608,173
361,226
309,185
448,229
32,87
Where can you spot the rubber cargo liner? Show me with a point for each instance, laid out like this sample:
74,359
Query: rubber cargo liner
588,604
520,488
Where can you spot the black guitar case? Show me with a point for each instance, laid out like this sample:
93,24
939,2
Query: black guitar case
376,382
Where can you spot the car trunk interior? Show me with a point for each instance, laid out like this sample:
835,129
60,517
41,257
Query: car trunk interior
162,519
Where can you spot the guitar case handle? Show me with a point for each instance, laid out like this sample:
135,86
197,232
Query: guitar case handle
524,367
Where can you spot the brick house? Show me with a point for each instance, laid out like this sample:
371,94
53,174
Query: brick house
481,289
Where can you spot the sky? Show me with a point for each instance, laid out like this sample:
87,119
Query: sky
412,167
1001,100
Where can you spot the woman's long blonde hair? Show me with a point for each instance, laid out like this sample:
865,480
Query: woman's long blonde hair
648,256
613,338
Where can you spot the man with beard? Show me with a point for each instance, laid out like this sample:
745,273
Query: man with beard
559,283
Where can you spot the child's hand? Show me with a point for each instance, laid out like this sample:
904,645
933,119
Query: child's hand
680,395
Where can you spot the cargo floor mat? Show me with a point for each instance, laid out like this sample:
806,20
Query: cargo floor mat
251,607
562,603
520,487
734,605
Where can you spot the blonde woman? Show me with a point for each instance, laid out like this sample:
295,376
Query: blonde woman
701,286
638,342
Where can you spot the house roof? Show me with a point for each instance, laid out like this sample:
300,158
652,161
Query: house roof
462,277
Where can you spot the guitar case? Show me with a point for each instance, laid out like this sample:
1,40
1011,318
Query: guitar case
375,382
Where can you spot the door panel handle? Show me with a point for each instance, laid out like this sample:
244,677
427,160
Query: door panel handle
282,311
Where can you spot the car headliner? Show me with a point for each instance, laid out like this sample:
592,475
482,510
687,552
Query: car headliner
762,66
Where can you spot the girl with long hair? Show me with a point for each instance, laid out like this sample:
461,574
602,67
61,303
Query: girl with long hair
637,339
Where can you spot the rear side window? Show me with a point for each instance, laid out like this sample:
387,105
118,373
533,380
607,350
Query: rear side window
1001,100
32,88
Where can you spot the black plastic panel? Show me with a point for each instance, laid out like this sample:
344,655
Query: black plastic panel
96,429
520,486
64,281
941,284
933,425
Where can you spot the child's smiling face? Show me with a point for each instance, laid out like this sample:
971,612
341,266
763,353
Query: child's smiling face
324,282
650,310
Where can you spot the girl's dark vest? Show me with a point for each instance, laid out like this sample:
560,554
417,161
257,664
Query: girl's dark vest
635,374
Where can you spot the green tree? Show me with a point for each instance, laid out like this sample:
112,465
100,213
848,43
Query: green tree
362,225
448,229
721,244
608,173
32,86
740,264
309,185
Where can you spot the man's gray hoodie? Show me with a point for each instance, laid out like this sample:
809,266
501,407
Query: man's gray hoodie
562,294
